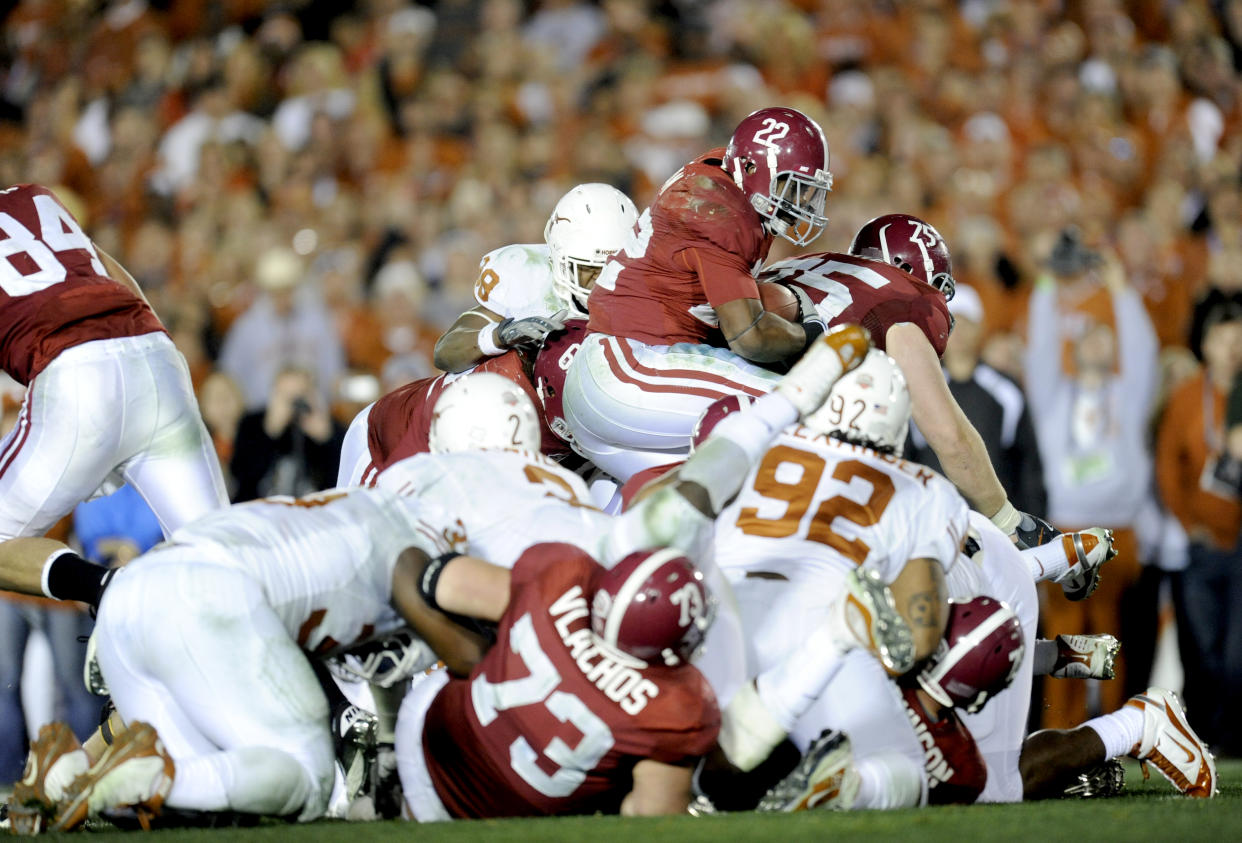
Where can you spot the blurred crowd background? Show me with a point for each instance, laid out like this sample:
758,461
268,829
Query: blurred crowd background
304,190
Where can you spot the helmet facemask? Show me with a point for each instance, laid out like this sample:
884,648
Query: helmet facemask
794,206
568,277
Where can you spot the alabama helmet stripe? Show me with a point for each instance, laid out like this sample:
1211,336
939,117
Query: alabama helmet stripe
625,595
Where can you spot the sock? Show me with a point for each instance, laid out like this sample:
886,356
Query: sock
790,688
1048,561
67,576
1044,658
889,780
721,464
1120,731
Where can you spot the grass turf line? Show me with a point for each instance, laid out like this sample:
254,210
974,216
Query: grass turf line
1145,808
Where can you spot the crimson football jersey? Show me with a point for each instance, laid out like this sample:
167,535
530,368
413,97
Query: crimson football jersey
54,291
871,293
697,246
399,423
552,721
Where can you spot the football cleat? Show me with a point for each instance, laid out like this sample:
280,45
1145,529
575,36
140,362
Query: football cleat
872,617
56,759
834,353
1103,781
1087,551
1171,746
134,771
824,779
1085,657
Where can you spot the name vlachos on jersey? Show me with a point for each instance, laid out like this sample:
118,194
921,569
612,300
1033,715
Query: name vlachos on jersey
614,673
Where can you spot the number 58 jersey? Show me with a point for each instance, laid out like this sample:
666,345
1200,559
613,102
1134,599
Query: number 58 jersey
814,501
552,721
54,290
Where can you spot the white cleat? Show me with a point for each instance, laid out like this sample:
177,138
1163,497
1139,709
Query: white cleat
134,771
1087,551
1171,746
871,614
825,779
1085,657
836,352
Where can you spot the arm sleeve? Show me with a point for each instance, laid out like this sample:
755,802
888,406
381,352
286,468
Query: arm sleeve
1171,461
1138,350
1043,348
724,276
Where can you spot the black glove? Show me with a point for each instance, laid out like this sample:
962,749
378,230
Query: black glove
512,333
812,322
1033,531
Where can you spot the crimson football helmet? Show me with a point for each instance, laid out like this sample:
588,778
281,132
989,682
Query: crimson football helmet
908,243
778,157
711,417
551,363
979,655
652,605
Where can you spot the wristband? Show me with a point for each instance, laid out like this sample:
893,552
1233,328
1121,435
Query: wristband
1007,518
431,577
487,340
814,329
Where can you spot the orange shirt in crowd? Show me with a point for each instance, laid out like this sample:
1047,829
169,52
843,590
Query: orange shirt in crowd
1184,447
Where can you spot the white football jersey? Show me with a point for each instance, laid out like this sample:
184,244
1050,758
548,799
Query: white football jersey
831,503
508,500
325,561
516,281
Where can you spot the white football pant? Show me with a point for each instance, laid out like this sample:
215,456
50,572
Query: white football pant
860,699
117,406
355,451
631,406
422,803
192,648
1000,727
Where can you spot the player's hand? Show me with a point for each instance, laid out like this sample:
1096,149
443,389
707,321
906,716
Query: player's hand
530,331
812,322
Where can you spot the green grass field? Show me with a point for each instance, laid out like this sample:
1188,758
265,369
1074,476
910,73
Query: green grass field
1148,811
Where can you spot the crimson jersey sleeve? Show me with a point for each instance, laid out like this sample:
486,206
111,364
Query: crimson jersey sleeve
54,290
552,721
870,293
399,423
697,246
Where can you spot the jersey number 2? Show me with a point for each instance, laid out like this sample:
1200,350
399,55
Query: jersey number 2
58,232
540,687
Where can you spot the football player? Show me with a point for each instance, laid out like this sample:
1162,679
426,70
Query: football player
108,397
526,291
830,498
606,650
676,315
895,282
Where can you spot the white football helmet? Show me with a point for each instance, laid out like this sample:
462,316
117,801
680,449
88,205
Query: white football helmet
870,403
483,410
588,224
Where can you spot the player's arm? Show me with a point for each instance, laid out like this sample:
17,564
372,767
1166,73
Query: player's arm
922,599
459,347
120,274
427,592
659,789
957,444
758,334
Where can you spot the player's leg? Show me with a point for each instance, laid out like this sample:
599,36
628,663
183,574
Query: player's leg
355,450
632,406
212,668
421,801
171,460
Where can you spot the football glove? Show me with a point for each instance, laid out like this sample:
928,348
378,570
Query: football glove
530,331
812,322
